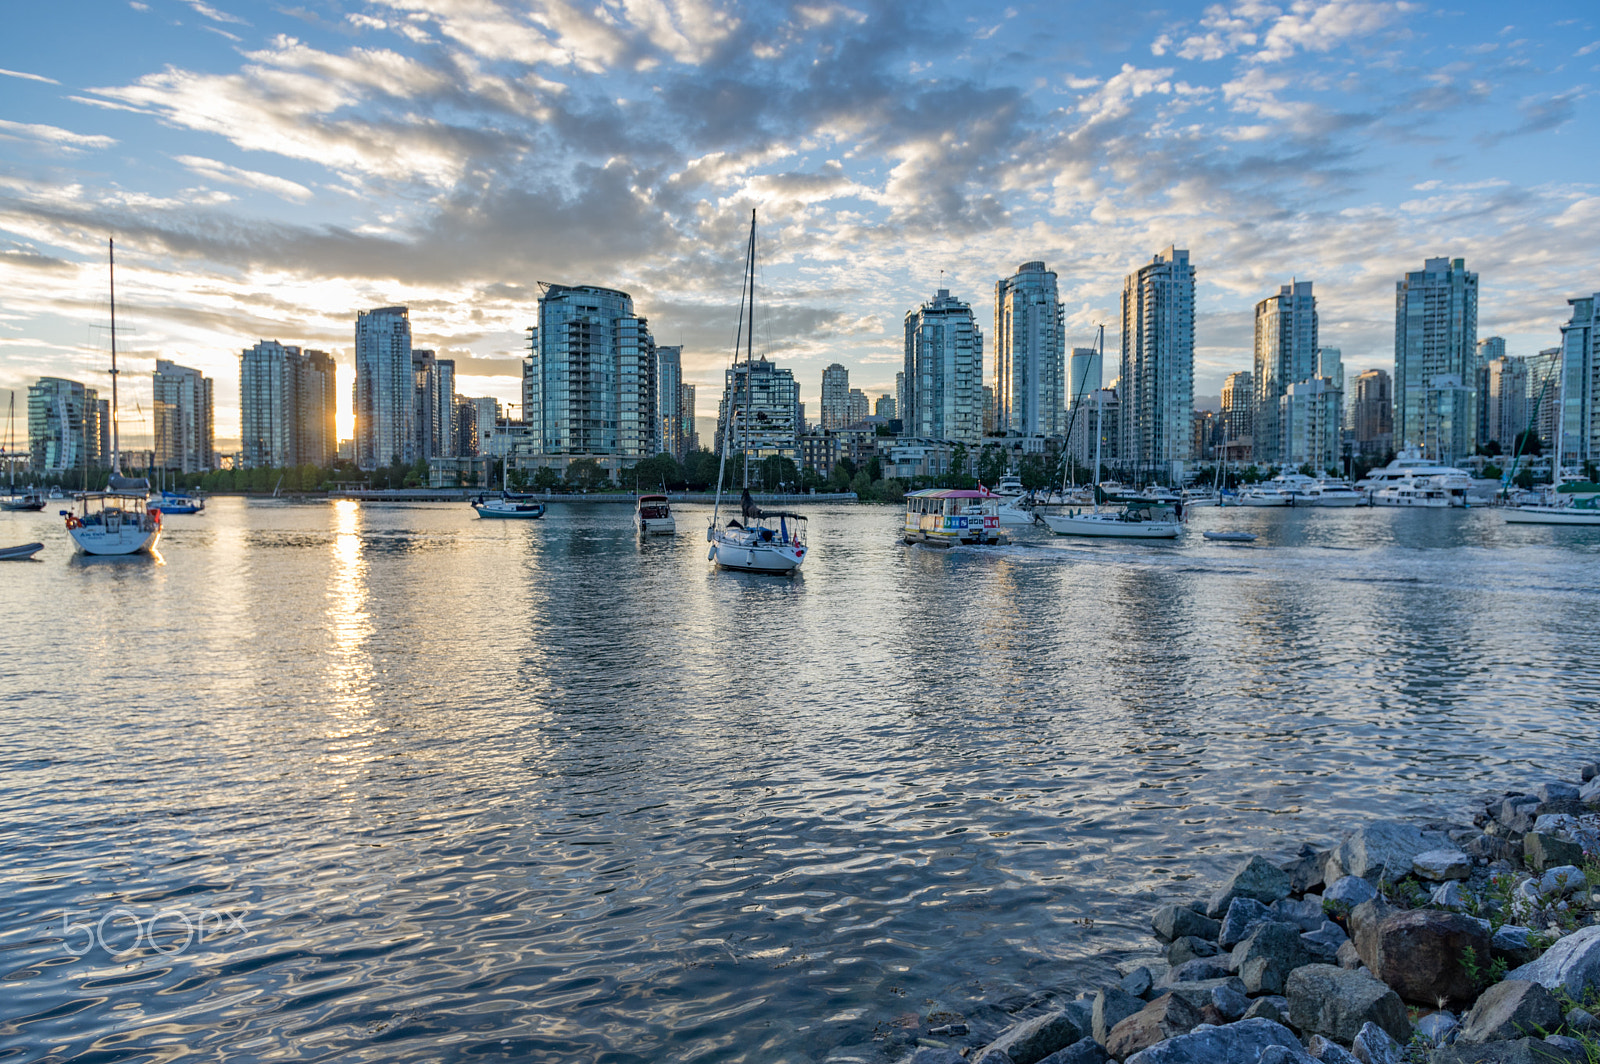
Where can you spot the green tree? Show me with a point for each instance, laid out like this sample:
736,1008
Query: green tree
546,479
811,480
1525,480
958,477
518,478
992,464
1528,444
862,486
700,469
890,490
875,469
840,476
1492,471
586,473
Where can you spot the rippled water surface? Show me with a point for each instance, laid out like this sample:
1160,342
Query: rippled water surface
425,787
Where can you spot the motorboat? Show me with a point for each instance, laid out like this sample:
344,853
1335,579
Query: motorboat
27,501
1010,487
949,517
1417,481
1230,537
20,553
507,507
1195,499
173,502
1333,493
1423,492
652,516
1015,513
1264,494
1132,521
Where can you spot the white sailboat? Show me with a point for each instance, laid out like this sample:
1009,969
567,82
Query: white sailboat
1138,520
31,499
757,541
1556,508
120,519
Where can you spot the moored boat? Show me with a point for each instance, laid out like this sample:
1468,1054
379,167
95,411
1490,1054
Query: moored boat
507,507
21,552
948,517
1133,521
174,502
652,516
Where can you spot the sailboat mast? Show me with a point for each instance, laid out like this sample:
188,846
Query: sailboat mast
750,348
111,258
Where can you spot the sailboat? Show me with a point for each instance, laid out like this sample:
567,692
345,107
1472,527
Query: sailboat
510,504
28,500
764,541
1562,505
120,519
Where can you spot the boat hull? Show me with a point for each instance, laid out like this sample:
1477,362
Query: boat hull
1264,502
969,538
530,513
1412,503
23,507
1550,515
21,553
657,526
774,558
128,539
1109,527
1336,501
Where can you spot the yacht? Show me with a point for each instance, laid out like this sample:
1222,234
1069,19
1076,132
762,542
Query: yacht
1334,493
1010,487
1415,492
652,516
1016,512
1263,494
509,507
177,502
1146,519
1415,478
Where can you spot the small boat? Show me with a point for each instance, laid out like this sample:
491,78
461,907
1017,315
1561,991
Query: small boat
1017,512
172,502
1230,537
21,553
1135,521
652,516
946,517
507,507
1581,510
29,502
1010,487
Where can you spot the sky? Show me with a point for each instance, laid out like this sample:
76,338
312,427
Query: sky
267,170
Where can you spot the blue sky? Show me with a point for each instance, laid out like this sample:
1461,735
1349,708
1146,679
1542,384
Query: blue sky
267,170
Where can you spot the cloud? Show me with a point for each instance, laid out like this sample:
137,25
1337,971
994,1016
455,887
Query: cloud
53,135
1540,114
28,77
218,171
214,15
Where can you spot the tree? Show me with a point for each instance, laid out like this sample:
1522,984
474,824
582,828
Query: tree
1528,444
587,474
1492,471
811,480
1525,479
778,470
959,464
700,469
861,486
848,465
875,469
652,474
546,479
1033,472
992,464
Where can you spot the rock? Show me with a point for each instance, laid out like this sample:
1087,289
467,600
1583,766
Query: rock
1572,964
1337,1003
1242,1041
1418,953
1547,851
1323,943
1439,865
1555,791
1084,1051
1583,1021
1351,890
1562,880
1283,1055
1305,869
1110,1008
1257,879
1374,1046
936,1055
1175,921
1199,993
1328,1052
982,1056
1306,913
1384,848
1510,1009
1522,1051
1494,848
1032,1040
1244,916
1230,1003
1348,957
1168,1016
1436,1028
1449,895
1271,1007
1511,943
1197,969
1564,1042
1363,923
1517,813
1590,794
1138,982
1265,959
1188,948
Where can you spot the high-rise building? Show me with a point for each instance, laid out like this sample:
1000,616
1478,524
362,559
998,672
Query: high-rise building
857,409
900,394
286,407
1507,388
835,411
589,385
67,426
435,405
669,415
1544,394
384,398
1157,364
1085,375
991,411
1489,349
1435,359
466,423
1285,353
1096,420
1579,380
884,407
1308,425
182,402
765,405
1029,353
1238,416
943,372
686,425
485,412
1371,414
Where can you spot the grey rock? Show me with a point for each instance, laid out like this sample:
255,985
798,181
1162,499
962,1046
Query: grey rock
1348,956
1305,913
986,1056
1244,916
1565,1042
1323,943
1228,1001
1583,1021
1199,993
1374,1046
1439,865
1328,1052
936,1055
1351,890
1257,879
1082,1011
1363,922
1032,1040
1305,869
1517,813
1545,851
1437,1028
1590,794
1284,1055
1419,953
1176,921
1188,948
1084,1051
1138,982
1265,959
1562,881
1337,1003
1270,1007
1572,964
1512,944
1522,1051
1449,895
1555,791
1110,1008
1510,1009
1589,771
1198,969
1168,1016
1493,848
1384,848
1242,1041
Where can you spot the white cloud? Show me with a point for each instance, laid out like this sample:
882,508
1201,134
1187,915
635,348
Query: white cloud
219,171
55,135
28,77
203,8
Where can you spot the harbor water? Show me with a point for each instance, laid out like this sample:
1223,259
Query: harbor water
341,781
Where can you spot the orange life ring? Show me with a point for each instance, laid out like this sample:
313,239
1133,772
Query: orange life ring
73,522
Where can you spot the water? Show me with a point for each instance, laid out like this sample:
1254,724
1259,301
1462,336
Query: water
437,788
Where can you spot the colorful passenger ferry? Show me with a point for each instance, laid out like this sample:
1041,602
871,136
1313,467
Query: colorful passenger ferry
946,517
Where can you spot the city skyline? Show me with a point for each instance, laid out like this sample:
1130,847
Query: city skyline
272,171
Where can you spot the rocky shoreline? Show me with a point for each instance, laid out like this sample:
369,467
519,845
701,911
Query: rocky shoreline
1405,944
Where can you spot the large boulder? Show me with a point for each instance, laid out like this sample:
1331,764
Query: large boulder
1385,849
1374,1046
1138,982
1257,878
1511,1009
1556,791
1032,1040
1085,1051
1522,1051
1111,1007
1549,851
1305,869
1518,813
1323,943
1166,1017
1242,1041
1305,913
1572,964
1244,916
1265,959
1187,948
1419,953
1177,921
1334,1002
1350,891
1439,865
1199,993
1199,968
1364,922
